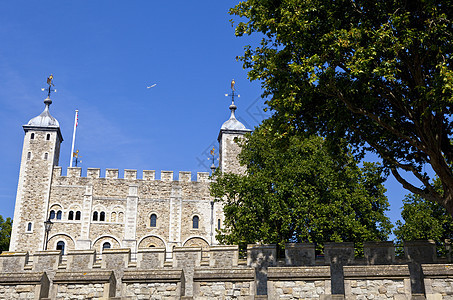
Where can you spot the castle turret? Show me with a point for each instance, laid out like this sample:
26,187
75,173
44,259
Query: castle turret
230,134
40,153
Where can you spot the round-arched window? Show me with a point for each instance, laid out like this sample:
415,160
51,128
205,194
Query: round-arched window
60,246
153,220
106,245
195,221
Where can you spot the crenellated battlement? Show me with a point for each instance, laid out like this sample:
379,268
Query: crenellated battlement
217,272
147,175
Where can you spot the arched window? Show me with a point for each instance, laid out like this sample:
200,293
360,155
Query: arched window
59,213
52,215
60,246
102,216
77,215
32,136
113,217
152,246
71,215
106,245
28,155
46,156
48,137
195,221
218,224
95,216
29,226
153,220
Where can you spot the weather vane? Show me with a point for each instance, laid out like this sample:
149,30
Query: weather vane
213,154
49,88
76,157
233,90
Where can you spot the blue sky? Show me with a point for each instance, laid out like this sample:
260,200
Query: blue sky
103,55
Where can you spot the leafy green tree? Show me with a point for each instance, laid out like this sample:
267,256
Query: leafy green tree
376,73
5,233
424,220
295,191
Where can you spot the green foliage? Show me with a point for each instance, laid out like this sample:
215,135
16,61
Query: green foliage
376,73
295,191
5,233
424,220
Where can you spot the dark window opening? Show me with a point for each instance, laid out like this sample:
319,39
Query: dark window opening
71,215
106,245
28,155
48,137
52,214
32,136
102,216
218,224
95,216
153,220
77,215
59,213
195,221
46,156
29,226
60,246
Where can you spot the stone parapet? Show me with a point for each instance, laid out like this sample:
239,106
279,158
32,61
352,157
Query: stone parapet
300,254
80,259
223,256
379,253
13,261
88,285
30,285
150,258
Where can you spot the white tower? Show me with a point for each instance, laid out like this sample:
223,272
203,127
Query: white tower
40,153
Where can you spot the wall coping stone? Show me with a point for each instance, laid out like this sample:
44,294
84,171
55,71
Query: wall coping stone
17,278
378,271
7,253
151,250
436,270
230,274
373,244
80,277
224,248
186,249
117,250
47,252
149,276
298,273
81,252
259,247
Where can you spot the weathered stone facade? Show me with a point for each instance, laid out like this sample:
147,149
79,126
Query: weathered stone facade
220,274
96,212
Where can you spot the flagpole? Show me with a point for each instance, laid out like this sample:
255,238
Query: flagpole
73,137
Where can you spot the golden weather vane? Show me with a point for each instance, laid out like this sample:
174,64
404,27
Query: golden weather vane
49,88
233,94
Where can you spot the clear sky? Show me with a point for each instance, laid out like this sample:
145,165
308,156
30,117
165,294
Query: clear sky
103,55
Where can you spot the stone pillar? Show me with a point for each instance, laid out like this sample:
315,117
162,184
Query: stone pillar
129,240
419,252
84,241
338,255
261,257
150,258
187,258
116,260
300,254
78,260
379,253
174,226
13,261
223,256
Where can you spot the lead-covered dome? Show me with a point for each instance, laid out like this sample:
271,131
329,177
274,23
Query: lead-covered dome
45,119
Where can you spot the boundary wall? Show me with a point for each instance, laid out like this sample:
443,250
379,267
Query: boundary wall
218,273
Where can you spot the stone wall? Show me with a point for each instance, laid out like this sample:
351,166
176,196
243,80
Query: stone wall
222,275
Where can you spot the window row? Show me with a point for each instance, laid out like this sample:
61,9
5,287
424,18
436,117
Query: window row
71,216
32,136
114,216
61,246
45,157
195,221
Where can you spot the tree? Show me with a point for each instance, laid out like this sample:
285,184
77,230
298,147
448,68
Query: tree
295,191
424,220
376,73
5,233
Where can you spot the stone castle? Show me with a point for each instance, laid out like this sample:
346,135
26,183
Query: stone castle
147,238
103,213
